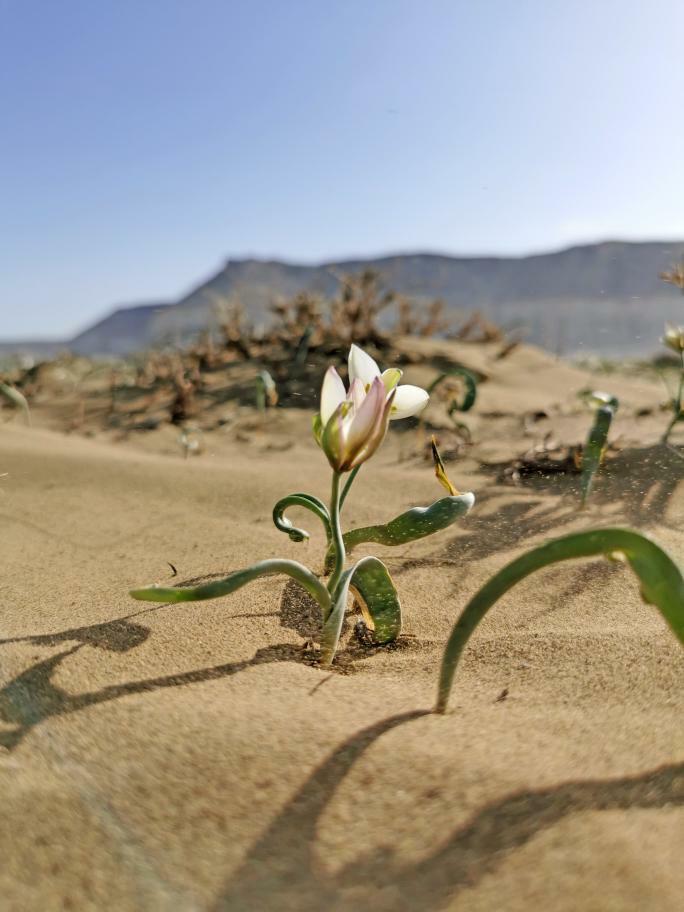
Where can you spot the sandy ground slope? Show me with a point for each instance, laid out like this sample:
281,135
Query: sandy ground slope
189,758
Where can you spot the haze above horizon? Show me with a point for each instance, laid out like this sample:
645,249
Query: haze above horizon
146,143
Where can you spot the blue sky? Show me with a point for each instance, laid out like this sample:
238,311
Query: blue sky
145,142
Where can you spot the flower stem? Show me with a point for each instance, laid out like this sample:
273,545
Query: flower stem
348,484
337,540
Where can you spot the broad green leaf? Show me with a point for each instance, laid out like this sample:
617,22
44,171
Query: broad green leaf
372,585
413,524
376,596
662,585
317,507
236,580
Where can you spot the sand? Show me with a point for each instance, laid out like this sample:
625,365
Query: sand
192,758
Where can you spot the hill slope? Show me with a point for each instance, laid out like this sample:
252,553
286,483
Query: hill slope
599,297
126,329
605,298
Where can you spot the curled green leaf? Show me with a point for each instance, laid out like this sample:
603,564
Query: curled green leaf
374,590
413,524
309,502
470,389
662,585
378,600
218,588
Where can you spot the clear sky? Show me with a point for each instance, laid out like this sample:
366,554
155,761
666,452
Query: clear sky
146,141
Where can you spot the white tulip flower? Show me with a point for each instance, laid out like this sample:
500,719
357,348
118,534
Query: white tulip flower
352,423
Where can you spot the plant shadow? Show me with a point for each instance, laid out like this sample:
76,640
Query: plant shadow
639,484
484,534
282,870
119,635
640,481
643,480
32,696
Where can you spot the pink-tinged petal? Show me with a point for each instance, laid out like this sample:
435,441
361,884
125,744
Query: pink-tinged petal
362,366
332,394
366,417
391,378
357,393
409,400
376,438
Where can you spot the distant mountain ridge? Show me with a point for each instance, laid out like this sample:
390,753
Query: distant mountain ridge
126,329
605,298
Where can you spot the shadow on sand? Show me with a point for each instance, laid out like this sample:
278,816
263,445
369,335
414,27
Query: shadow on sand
282,870
639,485
32,696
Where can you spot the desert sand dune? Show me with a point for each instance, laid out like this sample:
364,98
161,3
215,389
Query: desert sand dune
195,757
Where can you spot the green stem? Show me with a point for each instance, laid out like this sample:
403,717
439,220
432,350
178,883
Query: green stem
337,540
677,403
348,484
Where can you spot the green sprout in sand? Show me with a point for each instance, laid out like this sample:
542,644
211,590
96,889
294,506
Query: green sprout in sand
17,399
266,391
674,339
350,427
604,406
